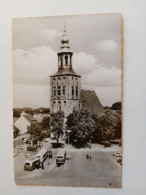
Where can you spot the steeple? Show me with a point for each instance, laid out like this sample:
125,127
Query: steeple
65,57
64,40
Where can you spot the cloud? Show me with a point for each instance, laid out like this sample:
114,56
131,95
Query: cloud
49,34
95,74
84,63
32,68
106,45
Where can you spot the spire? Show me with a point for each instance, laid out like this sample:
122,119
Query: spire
64,40
64,36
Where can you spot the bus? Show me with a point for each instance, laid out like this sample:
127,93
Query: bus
42,155
32,164
61,157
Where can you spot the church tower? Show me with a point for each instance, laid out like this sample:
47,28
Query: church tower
65,85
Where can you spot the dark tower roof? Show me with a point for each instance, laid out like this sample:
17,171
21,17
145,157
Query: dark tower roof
91,102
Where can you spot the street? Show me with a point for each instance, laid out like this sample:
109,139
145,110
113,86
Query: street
101,171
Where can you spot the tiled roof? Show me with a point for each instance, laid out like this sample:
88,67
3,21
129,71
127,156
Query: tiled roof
91,102
30,118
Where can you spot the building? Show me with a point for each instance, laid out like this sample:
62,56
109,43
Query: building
24,121
92,102
65,85
40,117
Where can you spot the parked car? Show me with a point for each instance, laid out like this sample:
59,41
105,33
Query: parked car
27,155
32,148
119,160
107,144
21,147
117,154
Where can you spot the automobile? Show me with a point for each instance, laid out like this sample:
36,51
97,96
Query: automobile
119,160
28,141
21,147
117,154
32,148
107,144
24,140
27,155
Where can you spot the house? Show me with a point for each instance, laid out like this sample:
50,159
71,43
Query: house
24,121
39,117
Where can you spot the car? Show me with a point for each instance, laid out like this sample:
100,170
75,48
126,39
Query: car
31,148
21,147
119,160
107,144
117,154
27,155
24,140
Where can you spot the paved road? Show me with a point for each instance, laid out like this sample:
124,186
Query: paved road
101,171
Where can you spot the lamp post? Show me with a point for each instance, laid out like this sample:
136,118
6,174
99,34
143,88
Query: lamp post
68,131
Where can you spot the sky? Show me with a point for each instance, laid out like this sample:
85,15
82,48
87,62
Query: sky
95,41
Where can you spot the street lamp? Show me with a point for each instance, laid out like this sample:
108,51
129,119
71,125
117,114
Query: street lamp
68,131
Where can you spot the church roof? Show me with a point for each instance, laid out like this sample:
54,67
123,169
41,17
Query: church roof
65,71
30,118
92,102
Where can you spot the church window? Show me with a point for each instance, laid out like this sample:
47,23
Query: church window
54,102
59,90
64,77
72,90
63,90
59,102
76,91
76,78
54,79
54,90
64,101
66,60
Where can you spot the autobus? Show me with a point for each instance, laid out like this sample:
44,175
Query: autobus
32,164
61,156
42,155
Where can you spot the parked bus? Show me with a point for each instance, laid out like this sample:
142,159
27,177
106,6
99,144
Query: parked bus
42,155
32,164
61,156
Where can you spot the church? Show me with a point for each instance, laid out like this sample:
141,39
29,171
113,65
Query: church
65,86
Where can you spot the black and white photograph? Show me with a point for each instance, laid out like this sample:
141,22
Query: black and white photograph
67,100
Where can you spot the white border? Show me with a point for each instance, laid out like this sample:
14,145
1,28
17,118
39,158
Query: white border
134,15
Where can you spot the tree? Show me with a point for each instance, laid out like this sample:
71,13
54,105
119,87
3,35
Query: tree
83,125
109,126
16,112
57,122
39,130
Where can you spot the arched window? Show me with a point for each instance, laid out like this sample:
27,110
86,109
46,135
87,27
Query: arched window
54,79
65,102
72,90
59,90
66,60
63,90
59,102
54,102
76,91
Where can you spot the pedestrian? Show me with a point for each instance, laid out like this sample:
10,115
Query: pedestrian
42,165
87,156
